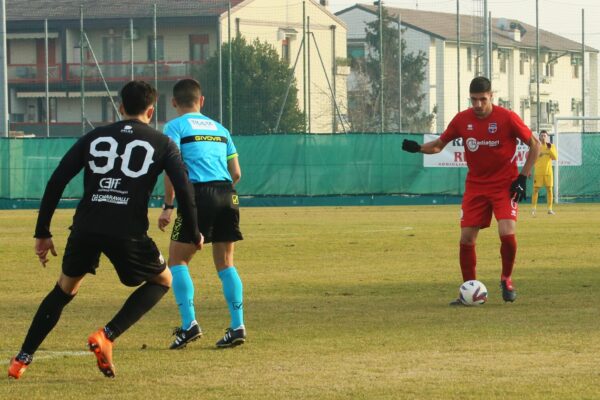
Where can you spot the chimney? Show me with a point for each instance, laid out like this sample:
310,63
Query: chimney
516,36
324,3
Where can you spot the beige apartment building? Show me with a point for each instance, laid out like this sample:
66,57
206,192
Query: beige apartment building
512,69
128,40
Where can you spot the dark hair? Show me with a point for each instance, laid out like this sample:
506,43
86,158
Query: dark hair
543,131
137,96
186,92
480,84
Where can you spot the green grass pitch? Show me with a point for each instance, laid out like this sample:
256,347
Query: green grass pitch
340,303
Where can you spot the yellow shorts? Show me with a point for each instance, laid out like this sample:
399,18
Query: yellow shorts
543,180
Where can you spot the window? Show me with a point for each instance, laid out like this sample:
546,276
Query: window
523,58
161,111
469,59
112,49
502,60
552,59
576,61
356,51
160,48
285,50
109,114
199,48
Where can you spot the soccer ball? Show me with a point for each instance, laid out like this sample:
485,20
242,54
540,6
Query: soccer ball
473,293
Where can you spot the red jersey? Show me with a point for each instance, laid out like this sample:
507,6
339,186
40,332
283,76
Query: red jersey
490,145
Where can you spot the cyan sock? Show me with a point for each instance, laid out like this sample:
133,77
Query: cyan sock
183,289
233,292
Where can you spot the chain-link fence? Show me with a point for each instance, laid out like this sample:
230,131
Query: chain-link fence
290,66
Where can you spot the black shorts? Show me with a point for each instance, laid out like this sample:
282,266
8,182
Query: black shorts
218,214
136,260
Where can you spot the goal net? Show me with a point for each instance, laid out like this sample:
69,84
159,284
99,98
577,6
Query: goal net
577,170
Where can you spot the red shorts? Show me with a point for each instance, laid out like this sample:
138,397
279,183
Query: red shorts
477,208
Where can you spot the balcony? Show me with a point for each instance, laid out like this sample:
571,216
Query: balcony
120,71
113,71
33,73
545,88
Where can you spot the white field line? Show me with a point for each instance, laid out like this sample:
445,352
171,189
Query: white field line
45,355
293,234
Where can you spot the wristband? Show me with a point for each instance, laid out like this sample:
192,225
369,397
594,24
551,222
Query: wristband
168,206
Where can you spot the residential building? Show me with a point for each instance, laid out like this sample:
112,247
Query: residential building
126,39
513,64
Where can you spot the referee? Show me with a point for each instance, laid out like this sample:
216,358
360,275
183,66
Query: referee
121,164
211,158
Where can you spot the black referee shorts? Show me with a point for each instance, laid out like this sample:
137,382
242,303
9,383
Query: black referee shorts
136,259
218,214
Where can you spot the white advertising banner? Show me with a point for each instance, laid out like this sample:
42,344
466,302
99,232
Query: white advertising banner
453,155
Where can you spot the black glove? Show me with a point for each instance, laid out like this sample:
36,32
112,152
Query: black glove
411,146
548,145
518,189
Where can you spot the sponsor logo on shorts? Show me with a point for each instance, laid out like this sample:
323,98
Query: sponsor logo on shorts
176,229
235,199
473,144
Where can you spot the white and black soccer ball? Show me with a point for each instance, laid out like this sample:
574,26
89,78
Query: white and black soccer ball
473,293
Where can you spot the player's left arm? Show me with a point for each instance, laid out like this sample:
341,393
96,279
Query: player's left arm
169,199
233,166
553,152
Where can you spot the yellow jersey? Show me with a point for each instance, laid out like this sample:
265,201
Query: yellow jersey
543,165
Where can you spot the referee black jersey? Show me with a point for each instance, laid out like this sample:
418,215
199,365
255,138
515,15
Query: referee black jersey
121,164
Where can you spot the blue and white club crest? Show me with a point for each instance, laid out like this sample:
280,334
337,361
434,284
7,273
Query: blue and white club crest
492,127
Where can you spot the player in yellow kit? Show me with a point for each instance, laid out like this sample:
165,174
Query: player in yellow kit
542,175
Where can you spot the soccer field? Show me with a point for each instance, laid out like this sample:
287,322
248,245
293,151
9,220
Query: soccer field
340,303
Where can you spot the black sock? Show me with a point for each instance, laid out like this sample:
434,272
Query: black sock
139,303
45,319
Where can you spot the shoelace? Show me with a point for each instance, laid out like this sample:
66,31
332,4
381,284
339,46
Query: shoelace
177,331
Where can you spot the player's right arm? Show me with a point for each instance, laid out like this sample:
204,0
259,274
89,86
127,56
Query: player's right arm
69,166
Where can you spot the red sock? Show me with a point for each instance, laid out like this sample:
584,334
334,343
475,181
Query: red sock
508,251
468,261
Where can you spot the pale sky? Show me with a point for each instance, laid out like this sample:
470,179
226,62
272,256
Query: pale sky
562,17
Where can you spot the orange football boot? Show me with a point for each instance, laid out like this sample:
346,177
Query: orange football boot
102,349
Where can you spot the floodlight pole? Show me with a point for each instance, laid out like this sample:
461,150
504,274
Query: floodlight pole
155,46
3,73
81,70
537,66
47,77
458,53
381,125
230,71
583,67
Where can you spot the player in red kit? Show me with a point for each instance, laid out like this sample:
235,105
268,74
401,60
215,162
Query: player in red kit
490,135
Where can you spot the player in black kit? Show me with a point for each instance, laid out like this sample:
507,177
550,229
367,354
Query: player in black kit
121,164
